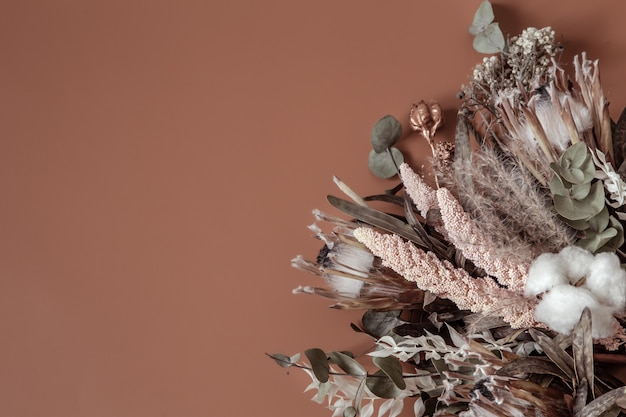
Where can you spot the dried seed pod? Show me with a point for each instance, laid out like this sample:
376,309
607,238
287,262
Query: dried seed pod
420,117
437,116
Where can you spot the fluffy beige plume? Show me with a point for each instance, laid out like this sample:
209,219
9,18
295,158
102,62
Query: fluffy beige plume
476,246
442,278
507,206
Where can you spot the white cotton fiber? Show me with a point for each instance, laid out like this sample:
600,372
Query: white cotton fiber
603,324
577,262
607,280
562,306
547,271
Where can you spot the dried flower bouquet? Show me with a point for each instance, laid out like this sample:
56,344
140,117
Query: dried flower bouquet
498,290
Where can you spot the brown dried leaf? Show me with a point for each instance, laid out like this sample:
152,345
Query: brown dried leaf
582,349
554,352
619,139
580,399
603,403
531,365
376,218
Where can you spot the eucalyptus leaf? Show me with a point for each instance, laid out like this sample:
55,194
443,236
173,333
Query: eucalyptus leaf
594,241
586,208
347,364
576,164
600,221
282,360
580,191
319,363
392,368
558,186
483,17
617,242
490,40
385,133
384,165
382,386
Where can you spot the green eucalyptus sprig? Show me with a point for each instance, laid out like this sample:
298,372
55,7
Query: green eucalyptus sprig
579,199
384,158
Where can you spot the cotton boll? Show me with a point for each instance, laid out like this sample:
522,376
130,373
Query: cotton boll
607,280
547,271
562,306
577,262
603,324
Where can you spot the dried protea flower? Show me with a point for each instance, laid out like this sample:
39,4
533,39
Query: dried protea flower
355,278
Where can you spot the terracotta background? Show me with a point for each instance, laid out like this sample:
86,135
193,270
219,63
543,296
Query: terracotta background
159,161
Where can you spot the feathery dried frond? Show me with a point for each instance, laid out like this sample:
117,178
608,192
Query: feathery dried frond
509,208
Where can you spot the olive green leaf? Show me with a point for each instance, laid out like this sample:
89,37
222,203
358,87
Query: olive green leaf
382,386
392,368
573,209
386,132
384,165
319,363
347,364
575,165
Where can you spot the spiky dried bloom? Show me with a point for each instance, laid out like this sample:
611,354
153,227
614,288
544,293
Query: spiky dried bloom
443,279
587,77
478,247
355,278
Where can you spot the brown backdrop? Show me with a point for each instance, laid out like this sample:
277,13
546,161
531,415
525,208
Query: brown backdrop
158,164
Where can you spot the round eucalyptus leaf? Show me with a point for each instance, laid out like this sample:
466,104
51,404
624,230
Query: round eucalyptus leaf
482,18
490,40
576,164
382,165
594,241
584,209
385,133
600,221
557,185
580,191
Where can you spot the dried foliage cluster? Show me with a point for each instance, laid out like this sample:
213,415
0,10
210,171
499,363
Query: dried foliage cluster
499,290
